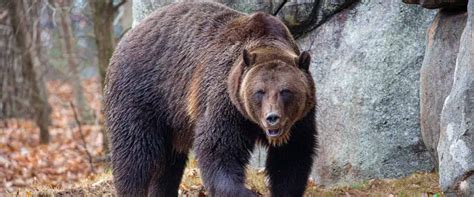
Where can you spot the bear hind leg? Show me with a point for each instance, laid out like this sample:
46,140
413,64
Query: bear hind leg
165,181
132,172
138,147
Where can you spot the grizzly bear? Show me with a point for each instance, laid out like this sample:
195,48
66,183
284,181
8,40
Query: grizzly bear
203,76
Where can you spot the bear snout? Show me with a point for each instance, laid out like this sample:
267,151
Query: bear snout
272,118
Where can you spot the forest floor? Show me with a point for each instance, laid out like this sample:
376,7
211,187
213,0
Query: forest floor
419,185
62,167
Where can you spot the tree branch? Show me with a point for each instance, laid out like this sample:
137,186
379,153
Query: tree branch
84,144
280,7
123,33
116,7
314,20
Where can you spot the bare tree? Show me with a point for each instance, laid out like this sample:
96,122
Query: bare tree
24,20
14,92
103,14
68,42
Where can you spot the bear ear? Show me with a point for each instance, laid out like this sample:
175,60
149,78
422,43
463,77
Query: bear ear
304,60
248,57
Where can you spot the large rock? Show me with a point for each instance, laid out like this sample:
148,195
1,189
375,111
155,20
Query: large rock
432,4
436,75
456,142
141,8
300,16
366,62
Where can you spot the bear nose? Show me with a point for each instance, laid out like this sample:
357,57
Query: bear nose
272,118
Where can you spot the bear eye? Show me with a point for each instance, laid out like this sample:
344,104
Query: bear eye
260,92
259,95
286,94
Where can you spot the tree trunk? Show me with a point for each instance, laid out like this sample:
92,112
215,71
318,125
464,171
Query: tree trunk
14,92
24,20
68,43
103,13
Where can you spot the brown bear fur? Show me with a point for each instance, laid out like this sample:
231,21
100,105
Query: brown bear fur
202,75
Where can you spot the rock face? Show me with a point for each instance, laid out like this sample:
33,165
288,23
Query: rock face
142,8
456,142
366,62
300,16
432,4
436,75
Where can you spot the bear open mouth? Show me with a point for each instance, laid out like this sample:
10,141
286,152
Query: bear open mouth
273,132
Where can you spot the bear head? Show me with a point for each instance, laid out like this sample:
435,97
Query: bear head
273,88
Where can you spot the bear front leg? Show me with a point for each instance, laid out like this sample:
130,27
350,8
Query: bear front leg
223,150
288,166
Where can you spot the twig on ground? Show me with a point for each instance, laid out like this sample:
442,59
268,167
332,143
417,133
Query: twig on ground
84,144
102,159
